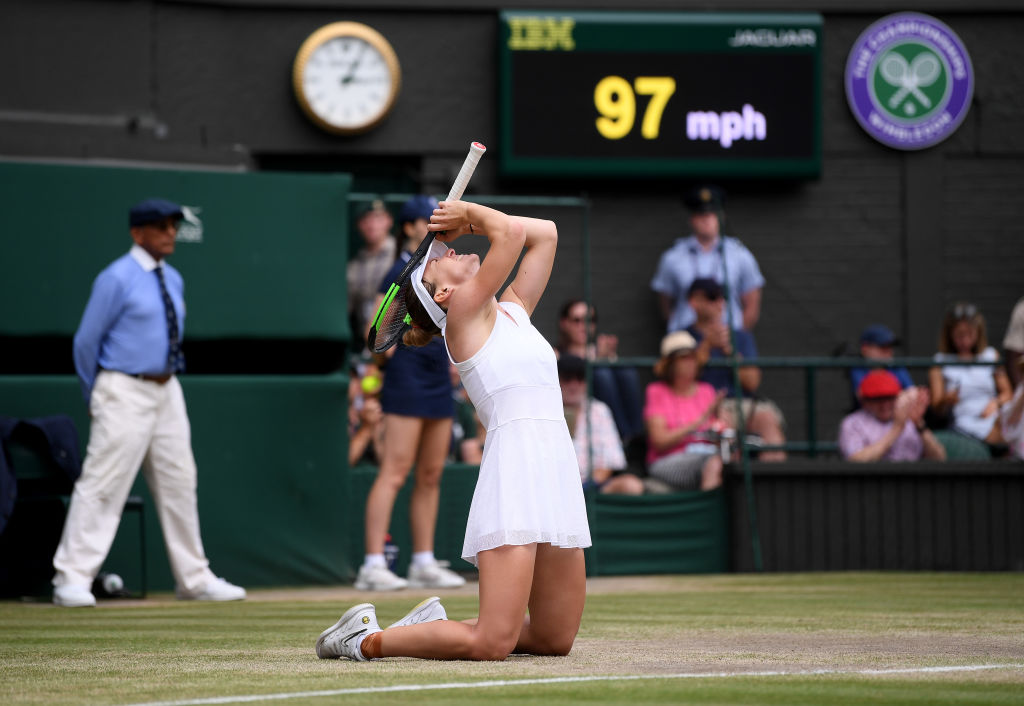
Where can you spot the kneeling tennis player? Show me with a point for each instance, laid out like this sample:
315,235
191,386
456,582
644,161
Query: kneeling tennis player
527,523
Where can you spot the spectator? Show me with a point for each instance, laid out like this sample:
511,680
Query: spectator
417,401
890,424
762,417
366,418
127,354
617,387
877,343
598,447
701,255
677,410
468,433
1012,416
368,267
1013,343
971,394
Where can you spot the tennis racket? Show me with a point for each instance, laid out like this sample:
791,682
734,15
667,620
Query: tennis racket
392,319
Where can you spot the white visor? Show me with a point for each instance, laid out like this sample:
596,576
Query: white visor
437,315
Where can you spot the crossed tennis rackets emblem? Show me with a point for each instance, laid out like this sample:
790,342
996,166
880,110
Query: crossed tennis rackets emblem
909,78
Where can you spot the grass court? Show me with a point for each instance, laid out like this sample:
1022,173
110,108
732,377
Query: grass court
829,638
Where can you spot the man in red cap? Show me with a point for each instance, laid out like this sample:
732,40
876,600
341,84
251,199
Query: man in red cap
889,426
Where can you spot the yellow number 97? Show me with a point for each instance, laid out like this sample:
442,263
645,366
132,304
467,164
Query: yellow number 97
615,100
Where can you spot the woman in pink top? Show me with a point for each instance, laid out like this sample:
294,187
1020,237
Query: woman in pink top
677,409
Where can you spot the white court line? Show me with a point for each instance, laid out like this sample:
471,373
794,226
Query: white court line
568,680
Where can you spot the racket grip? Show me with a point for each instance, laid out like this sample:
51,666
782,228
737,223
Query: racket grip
476,151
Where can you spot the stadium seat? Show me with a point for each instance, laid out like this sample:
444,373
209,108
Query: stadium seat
44,493
960,447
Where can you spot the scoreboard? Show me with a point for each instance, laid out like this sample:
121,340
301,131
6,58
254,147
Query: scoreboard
607,94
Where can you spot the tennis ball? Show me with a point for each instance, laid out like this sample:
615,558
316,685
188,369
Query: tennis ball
370,384
112,583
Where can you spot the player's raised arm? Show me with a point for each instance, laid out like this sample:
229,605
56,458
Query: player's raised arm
541,238
505,234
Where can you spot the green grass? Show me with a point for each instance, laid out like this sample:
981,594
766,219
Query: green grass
165,650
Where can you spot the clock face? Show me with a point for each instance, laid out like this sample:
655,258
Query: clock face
346,77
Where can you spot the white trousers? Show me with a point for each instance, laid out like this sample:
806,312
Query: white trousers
134,423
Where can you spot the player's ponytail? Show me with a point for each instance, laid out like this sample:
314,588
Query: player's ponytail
423,328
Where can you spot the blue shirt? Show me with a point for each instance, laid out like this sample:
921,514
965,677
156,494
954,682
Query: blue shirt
686,261
124,326
721,378
858,374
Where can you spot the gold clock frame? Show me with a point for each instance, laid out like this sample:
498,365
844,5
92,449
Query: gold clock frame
346,29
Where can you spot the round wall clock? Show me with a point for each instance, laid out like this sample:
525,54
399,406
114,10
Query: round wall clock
346,77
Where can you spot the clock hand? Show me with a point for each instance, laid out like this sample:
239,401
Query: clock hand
347,78
369,79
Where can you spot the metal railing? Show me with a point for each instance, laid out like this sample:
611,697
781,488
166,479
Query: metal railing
811,365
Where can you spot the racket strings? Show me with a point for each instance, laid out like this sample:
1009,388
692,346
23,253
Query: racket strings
390,324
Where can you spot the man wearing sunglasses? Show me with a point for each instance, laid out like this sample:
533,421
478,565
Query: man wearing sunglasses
761,416
127,353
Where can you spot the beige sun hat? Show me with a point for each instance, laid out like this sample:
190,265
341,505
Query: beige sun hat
677,342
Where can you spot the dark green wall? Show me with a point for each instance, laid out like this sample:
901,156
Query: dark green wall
271,261
274,490
265,283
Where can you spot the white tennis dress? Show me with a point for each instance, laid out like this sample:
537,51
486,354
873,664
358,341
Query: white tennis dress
529,485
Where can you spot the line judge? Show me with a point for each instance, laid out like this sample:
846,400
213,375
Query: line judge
127,353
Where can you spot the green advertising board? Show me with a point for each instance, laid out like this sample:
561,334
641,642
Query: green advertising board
609,94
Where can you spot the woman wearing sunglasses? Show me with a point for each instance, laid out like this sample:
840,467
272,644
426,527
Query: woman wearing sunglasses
970,395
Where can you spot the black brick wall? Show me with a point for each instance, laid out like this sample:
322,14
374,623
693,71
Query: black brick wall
194,83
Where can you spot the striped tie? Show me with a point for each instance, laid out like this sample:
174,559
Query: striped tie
175,357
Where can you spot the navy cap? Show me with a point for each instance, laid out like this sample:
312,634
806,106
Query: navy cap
704,199
710,288
152,210
878,335
420,206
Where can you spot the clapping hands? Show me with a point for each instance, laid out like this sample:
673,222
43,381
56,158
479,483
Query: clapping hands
719,338
911,404
607,345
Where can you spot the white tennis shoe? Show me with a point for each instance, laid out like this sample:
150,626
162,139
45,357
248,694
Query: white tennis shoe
434,576
72,596
342,638
426,611
216,590
378,578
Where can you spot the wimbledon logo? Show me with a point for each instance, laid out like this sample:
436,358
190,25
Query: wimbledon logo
909,81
